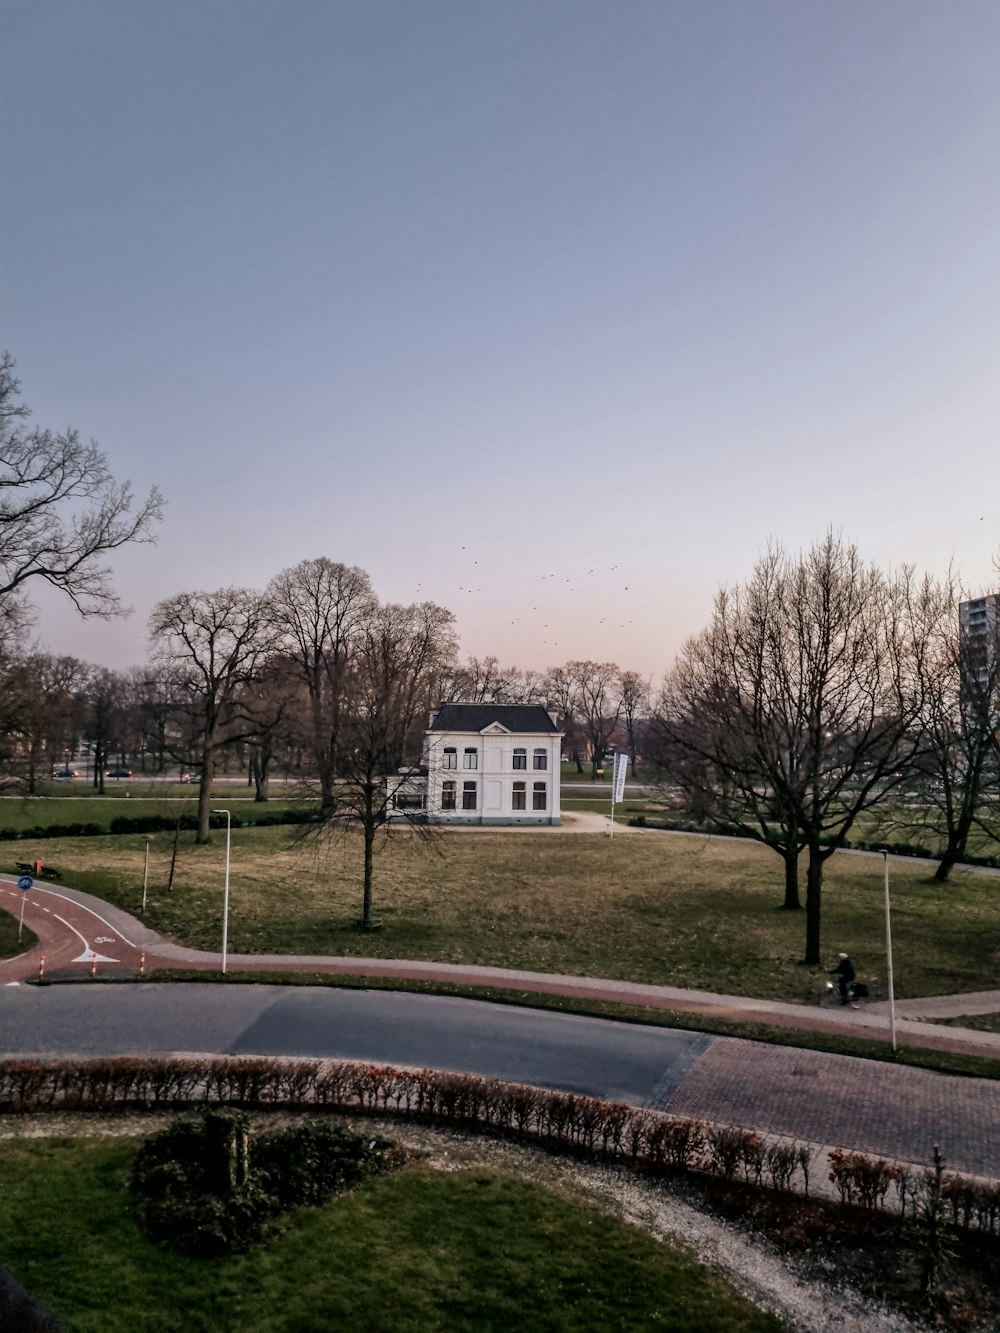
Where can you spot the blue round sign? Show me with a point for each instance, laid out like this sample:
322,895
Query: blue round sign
25,883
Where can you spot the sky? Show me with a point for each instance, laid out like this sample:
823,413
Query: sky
554,312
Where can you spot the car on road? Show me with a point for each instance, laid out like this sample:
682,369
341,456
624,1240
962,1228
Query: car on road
65,773
191,777
120,773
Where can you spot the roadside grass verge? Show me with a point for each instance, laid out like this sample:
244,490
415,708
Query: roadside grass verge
10,946
667,909
471,1249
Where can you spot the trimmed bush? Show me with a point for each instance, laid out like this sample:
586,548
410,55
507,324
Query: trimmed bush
209,1187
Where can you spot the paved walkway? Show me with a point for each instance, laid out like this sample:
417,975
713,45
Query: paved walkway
80,937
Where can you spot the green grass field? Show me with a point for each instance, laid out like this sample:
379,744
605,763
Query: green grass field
420,1250
653,907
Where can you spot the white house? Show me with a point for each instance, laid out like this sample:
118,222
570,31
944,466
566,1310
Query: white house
486,764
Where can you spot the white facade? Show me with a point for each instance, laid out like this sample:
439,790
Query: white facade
490,764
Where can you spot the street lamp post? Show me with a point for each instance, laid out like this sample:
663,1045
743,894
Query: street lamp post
225,896
888,949
145,878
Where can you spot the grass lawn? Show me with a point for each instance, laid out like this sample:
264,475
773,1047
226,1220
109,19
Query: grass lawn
10,946
663,908
420,1250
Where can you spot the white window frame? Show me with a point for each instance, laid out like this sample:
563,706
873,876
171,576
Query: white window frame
450,757
540,760
539,789
470,758
470,789
519,796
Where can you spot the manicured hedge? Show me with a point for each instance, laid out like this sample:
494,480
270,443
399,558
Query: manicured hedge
153,824
650,1141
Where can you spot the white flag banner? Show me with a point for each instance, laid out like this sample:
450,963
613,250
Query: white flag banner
621,768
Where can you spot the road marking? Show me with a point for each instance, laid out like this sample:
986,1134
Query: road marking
91,911
89,956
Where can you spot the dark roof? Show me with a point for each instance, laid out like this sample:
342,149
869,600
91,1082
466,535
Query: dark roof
476,717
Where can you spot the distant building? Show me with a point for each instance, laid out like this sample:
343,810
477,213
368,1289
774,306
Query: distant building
979,637
485,764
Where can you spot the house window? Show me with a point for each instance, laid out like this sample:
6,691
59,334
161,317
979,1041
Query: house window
518,796
541,759
471,758
520,758
447,795
468,796
450,757
538,795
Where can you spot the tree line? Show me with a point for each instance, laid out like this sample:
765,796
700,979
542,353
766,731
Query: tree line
823,689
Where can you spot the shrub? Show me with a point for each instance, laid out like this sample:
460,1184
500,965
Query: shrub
725,1150
861,1179
209,1187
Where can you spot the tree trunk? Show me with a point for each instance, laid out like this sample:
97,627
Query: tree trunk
260,775
954,850
205,793
791,859
366,906
814,891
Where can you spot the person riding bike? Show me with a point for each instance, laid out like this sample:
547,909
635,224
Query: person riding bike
845,974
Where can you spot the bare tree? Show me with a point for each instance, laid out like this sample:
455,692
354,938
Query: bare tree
61,511
44,707
106,719
319,609
633,691
272,703
483,680
710,733
403,655
599,704
562,696
812,673
220,640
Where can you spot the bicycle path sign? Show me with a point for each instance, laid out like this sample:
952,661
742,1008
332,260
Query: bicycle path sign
25,883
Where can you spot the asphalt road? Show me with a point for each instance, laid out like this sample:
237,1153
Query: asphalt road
619,1061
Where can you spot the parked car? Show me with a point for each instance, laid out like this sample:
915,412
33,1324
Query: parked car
190,777
66,773
120,773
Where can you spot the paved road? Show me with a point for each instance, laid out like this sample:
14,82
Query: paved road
619,1061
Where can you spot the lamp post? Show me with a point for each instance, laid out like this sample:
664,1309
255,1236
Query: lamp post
225,896
888,949
145,878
